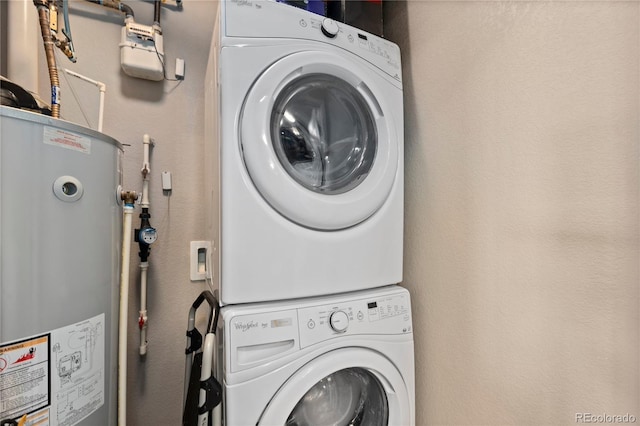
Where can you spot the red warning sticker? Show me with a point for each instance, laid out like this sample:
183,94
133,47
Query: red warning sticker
24,376
66,139
57,378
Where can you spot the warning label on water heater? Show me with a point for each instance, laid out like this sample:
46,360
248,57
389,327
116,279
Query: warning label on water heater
24,376
66,139
55,379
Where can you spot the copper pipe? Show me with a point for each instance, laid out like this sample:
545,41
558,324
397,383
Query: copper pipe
43,15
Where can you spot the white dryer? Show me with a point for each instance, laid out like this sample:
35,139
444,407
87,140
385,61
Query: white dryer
304,155
333,360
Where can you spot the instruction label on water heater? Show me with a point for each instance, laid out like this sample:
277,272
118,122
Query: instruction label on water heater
56,378
66,139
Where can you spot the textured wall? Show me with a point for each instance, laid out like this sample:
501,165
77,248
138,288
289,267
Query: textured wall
172,114
521,201
522,136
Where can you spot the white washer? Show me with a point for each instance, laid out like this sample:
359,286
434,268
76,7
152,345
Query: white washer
304,155
339,360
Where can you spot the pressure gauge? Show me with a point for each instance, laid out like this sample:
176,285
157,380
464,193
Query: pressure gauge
148,235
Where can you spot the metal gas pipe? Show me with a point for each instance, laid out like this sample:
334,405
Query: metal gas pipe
47,39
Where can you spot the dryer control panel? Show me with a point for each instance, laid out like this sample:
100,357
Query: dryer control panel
269,19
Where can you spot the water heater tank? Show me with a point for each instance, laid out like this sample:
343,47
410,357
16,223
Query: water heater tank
60,225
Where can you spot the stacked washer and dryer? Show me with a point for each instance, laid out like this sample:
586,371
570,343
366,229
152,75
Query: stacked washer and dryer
304,189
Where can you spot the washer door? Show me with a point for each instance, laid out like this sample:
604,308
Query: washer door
346,387
317,140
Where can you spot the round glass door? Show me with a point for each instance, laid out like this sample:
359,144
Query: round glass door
323,133
318,140
342,387
349,397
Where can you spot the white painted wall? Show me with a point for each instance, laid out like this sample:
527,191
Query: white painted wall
522,188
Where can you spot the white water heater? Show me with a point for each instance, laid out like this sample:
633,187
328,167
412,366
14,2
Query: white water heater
60,226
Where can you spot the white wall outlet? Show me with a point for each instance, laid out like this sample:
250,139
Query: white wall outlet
200,264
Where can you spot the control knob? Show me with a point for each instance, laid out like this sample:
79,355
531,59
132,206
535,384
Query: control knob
329,28
339,321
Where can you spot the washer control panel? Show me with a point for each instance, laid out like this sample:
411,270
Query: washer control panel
260,335
389,314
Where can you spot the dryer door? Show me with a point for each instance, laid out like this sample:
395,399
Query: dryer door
318,140
351,386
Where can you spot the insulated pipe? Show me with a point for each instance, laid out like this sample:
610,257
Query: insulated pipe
129,197
43,15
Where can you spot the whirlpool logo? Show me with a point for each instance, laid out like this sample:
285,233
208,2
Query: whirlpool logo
243,2
245,326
